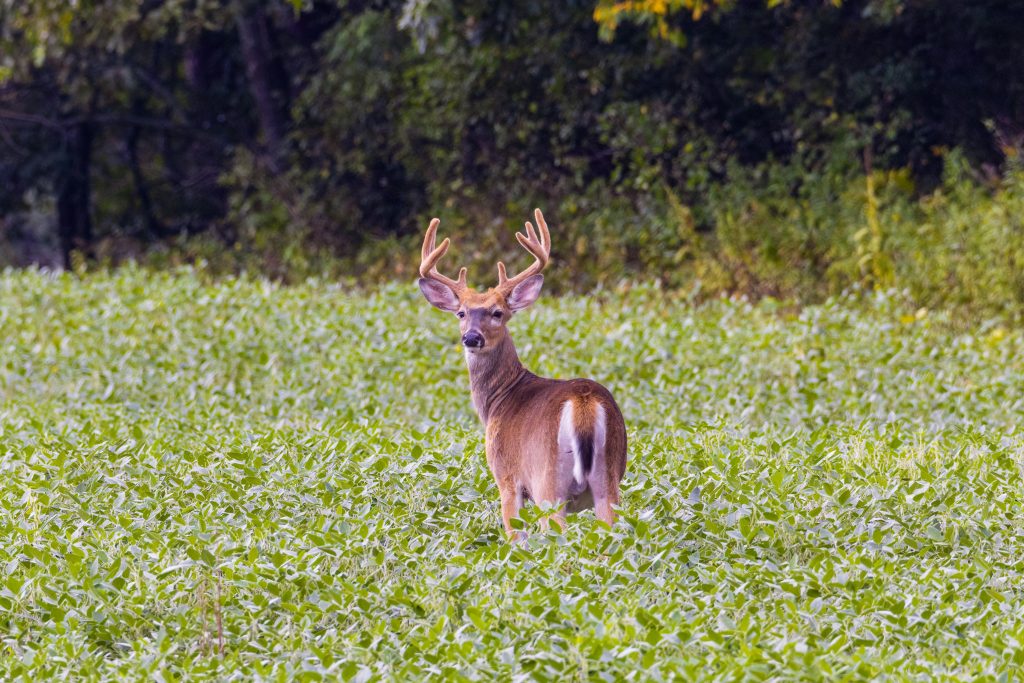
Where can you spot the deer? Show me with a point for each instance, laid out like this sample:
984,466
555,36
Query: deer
549,441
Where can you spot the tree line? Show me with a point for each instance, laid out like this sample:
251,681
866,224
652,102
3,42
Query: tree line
327,126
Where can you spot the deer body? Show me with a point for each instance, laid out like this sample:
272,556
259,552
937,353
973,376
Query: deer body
561,442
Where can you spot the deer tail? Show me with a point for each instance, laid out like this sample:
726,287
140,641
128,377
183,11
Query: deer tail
584,422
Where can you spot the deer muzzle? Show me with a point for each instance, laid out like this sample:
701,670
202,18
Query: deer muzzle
473,340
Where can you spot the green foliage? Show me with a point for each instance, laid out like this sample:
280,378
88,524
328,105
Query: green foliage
327,128
964,243
233,479
804,231
800,232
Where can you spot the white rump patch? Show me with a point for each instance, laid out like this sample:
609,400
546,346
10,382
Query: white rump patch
567,435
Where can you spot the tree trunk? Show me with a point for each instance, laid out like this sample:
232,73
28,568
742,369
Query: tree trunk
196,60
153,225
267,80
74,200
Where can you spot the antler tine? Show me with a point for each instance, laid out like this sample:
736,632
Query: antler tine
430,255
428,239
539,247
545,236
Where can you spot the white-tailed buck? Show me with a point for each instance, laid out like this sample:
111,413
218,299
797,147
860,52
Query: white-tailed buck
561,442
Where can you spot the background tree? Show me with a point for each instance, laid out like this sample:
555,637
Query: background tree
282,135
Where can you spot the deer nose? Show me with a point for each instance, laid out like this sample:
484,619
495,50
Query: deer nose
473,340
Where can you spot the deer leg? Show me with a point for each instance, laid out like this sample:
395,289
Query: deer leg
603,504
548,494
558,515
511,502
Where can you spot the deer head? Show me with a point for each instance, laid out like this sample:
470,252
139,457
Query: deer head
483,315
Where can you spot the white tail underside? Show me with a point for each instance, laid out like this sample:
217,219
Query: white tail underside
567,435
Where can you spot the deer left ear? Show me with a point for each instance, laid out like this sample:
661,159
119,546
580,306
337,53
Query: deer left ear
525,293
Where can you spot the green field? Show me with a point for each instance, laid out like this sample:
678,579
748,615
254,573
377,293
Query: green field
239,480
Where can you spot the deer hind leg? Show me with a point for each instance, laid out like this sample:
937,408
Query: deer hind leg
603,483
603,504
511,503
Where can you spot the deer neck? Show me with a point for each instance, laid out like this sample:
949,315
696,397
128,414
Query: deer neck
493,375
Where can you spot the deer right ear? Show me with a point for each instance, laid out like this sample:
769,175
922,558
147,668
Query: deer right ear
439,295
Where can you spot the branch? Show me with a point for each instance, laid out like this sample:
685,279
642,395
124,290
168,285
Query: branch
108,119
24,117
148,122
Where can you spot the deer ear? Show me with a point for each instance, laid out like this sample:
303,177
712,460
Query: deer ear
439,295
526,292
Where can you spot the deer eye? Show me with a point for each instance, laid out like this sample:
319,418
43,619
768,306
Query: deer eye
496,315
460,315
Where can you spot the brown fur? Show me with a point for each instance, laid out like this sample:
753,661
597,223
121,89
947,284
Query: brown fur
532,451
522,414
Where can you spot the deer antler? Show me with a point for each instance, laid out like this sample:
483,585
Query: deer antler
540,248
431,255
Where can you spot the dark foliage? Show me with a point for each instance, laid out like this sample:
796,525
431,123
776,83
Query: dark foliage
269,126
